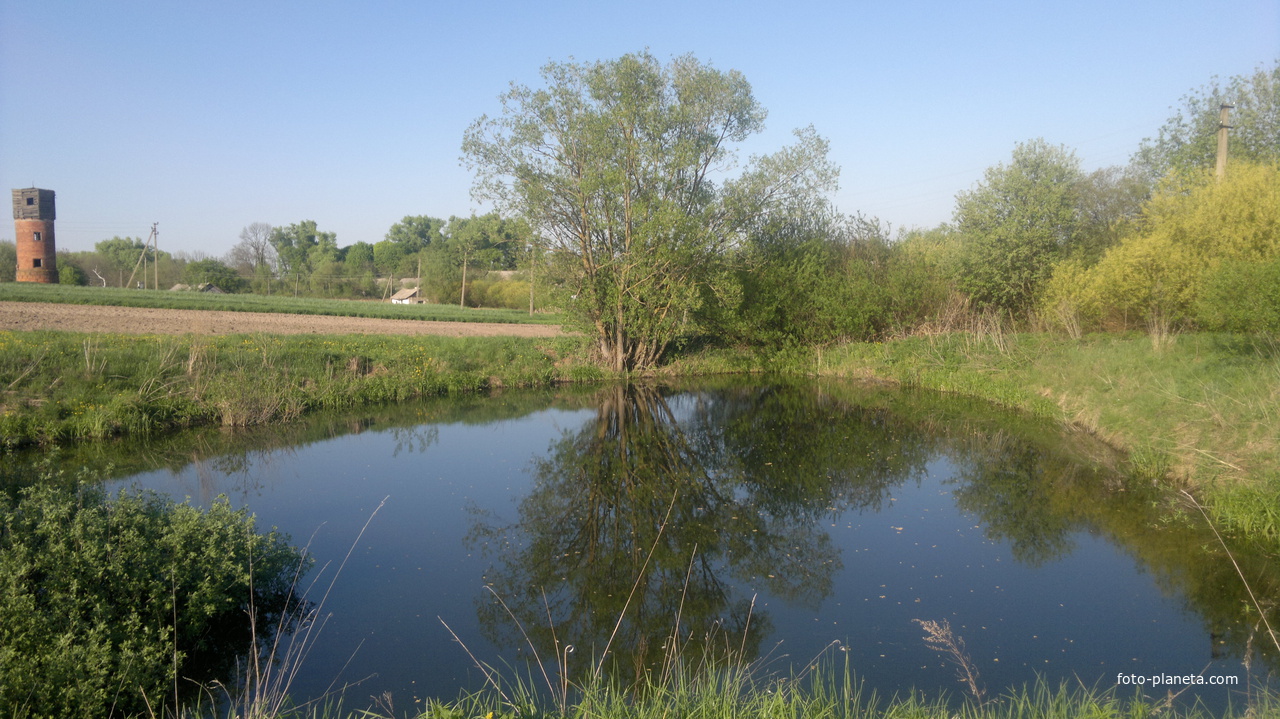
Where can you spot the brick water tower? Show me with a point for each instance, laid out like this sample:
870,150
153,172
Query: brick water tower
33,217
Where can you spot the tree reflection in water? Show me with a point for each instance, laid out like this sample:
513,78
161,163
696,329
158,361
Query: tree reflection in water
654,514
662,516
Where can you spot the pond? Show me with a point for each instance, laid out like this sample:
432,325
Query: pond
771,522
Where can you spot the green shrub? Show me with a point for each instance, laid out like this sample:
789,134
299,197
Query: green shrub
8,260
104,601
214,272
69,274
1190,228
1242,297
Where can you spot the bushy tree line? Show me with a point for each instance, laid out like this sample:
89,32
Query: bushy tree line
450,259
624,169
1199,256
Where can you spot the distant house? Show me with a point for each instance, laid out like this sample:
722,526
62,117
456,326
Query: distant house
202,287
406,297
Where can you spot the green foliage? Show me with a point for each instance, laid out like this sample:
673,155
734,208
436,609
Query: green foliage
358,257
1242,296
389,257
1188,141
811,279
1189,228
213,272
301,246
615,165
122,253
103,599
8,261
1016,224
498,293
71,274
416,233
1109,205
938,249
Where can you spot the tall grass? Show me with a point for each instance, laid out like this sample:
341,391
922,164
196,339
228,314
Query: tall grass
121,297
828,692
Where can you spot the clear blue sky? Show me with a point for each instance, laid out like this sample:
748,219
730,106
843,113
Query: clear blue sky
206,117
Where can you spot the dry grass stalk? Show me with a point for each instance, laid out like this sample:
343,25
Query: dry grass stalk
940,638
1256,605
1069,318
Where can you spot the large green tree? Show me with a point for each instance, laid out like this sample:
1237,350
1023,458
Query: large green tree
416,232
300,247
621,165
1189,139
1015,224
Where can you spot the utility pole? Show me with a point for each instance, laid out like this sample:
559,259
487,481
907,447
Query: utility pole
1223,127
142,259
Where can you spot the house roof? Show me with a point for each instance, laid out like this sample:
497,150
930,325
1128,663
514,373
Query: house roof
405,294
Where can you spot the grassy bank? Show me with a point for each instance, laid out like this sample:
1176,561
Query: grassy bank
162,299
58,386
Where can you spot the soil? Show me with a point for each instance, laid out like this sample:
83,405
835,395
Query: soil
145,320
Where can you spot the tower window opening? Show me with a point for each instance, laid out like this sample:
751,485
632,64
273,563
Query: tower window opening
36,262
31,200
35,236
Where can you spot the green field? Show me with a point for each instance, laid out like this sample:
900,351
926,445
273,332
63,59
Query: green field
163,299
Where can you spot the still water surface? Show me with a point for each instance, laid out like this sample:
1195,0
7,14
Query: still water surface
783,522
